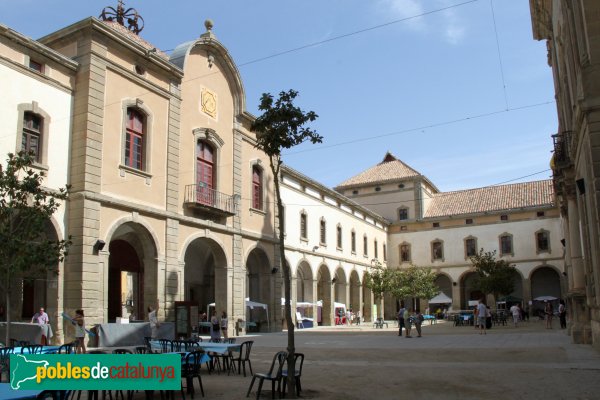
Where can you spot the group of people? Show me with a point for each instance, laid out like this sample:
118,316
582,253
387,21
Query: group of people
549,314
218,326
407,318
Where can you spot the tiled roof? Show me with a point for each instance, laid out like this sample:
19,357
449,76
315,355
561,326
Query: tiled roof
389,170
136,38
492,198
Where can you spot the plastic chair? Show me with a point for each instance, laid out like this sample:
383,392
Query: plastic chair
141,350
190,370
122,351
242,357
66,348
5,353
299,358
273,376
166,345
32,349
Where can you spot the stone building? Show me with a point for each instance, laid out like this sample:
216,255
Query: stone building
35,113
571,30
442,230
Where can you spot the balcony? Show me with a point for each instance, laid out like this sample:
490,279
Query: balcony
207,200
562,150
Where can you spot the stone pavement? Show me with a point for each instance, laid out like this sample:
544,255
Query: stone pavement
528,362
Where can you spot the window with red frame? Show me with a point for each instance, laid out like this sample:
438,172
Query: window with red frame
31,140
134,139
257,188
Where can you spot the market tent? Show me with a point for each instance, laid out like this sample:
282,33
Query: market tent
251,305
441,298
545,298
299,304
335,304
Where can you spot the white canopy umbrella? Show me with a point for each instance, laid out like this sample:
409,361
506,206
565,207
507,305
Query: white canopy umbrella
545,298
441,298
251,305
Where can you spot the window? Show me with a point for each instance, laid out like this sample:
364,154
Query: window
303,222
353,242
32,135
257,188
542,241
504,218
437,250
436,224
323,231
378,189
36,66
205,173
384,252
506,245
375,250
469,221
402,213
405,252
355,192
339,236
365,246
541,213
470,247
134,139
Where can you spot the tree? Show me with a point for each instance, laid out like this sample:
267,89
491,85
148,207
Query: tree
415,282
380,281
25,209
493,276
282,126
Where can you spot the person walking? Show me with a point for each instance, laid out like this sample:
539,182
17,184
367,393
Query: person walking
401,318
224,324
407,321
516,314
418,319
548,312
481,313
215,327
79,323
562,314
153,318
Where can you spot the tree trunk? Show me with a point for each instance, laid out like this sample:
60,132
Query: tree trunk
7,312
291,349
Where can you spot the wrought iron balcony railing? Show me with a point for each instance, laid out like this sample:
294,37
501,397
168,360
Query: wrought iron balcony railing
562,149
202,197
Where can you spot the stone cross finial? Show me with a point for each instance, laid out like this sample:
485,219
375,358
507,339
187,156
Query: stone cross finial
208,24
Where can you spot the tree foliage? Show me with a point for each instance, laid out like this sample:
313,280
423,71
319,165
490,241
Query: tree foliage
25,210
282,125
493,276
415,282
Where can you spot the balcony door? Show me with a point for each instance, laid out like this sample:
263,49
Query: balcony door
205,161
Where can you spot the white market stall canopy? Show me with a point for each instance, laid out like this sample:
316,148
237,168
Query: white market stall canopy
299,304
251,305
336,305
441,298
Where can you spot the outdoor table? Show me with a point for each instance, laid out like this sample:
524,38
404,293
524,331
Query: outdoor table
7,393
45,350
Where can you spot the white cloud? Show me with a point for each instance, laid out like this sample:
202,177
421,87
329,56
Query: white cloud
447,24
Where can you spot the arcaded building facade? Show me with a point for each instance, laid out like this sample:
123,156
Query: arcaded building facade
571,30
442,230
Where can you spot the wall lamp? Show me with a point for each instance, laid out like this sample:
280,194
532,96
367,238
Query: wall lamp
333,281
274,270
99,245
315,248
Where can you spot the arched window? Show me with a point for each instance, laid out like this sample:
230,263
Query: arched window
506,245
31,140
257,188
205,176
323,232
437,250
405,252
403,213
134,139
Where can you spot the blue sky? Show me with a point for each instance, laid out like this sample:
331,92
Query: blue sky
439,89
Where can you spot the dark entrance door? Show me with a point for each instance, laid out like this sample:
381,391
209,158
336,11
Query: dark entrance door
125,281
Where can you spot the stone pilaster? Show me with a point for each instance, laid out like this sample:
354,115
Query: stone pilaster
173,141
237,309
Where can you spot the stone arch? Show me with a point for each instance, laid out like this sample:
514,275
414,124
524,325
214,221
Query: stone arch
324,294
468,290
260,287
133,269
545,281
444,282
355,291
367,306
304,282
339,285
